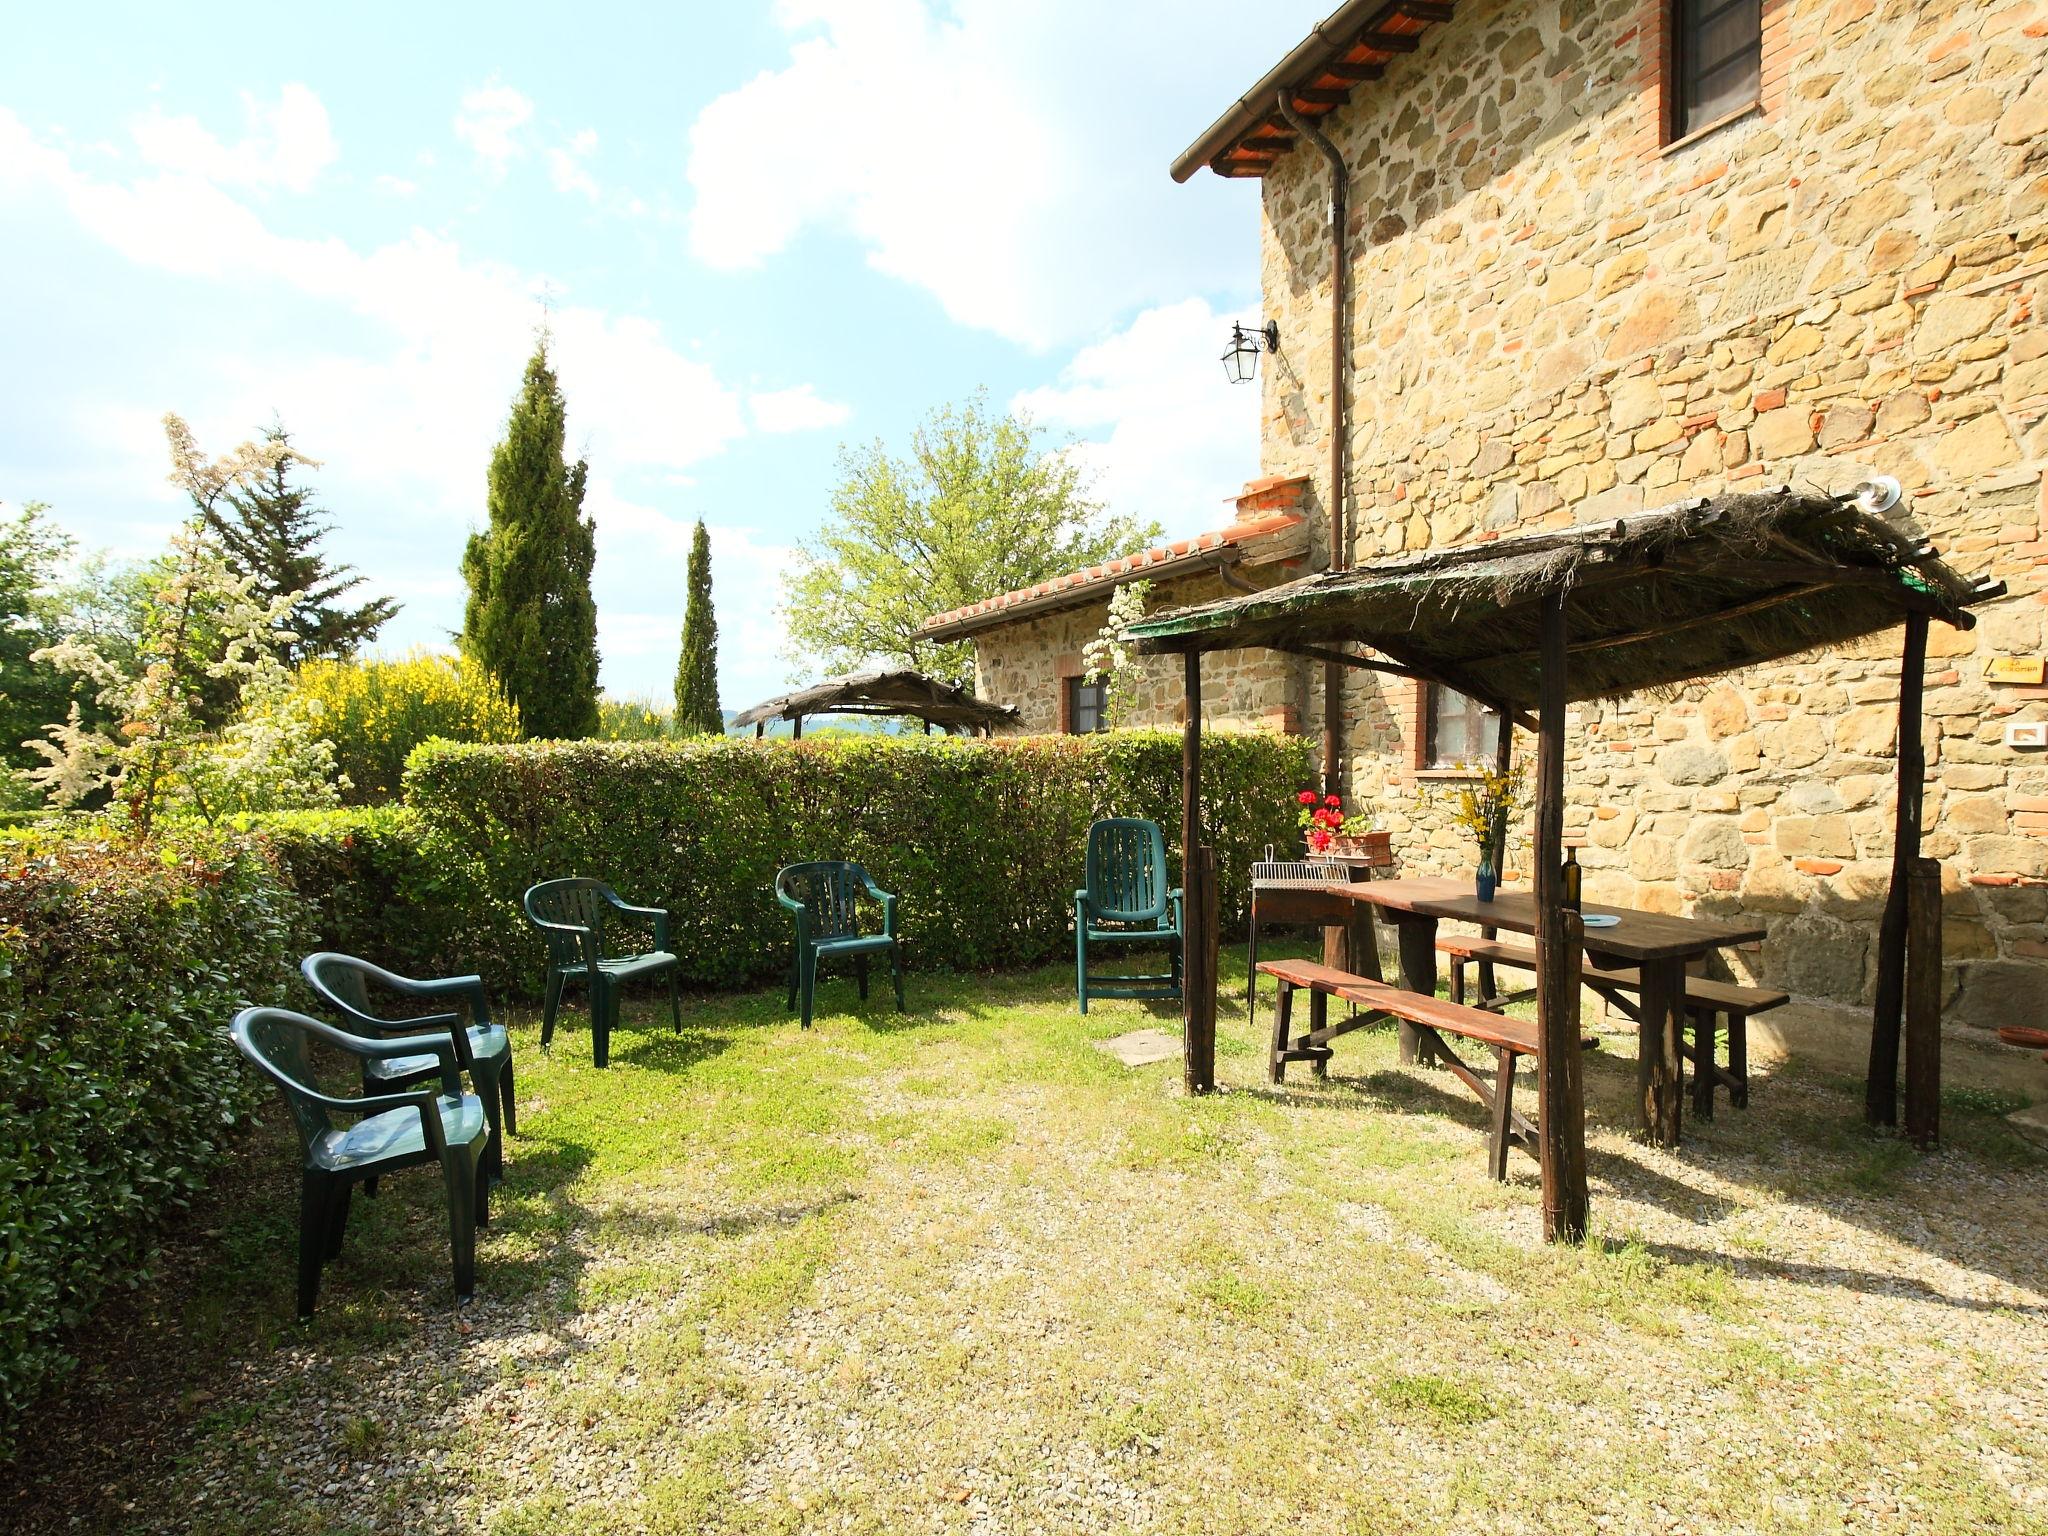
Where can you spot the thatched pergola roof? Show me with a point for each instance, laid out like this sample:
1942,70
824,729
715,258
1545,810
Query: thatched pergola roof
1652,599
885,692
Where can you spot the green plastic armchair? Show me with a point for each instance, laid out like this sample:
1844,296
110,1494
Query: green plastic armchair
824,897
571,914
482,1049
394,1131
1126,901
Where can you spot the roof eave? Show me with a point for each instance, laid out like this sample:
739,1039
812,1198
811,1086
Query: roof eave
1335,34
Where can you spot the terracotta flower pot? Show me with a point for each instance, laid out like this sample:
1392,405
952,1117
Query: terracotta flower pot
1374,848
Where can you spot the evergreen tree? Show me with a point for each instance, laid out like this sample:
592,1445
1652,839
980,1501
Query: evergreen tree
531,620
271,530
697,711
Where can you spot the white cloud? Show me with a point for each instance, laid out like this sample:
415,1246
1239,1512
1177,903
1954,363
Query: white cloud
1167,437
424,400
287,145
796,410
489,122
565,165
395,186
1010,159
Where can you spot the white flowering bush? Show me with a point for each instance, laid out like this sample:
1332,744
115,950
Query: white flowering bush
1109,658
162,754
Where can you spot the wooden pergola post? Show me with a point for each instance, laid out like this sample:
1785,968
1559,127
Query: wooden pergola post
1198,898
1923,1003
1881,1083
1560,1094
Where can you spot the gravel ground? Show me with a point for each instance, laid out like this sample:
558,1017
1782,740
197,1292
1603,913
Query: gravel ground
958,1272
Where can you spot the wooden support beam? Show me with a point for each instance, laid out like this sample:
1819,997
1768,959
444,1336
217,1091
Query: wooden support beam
1198,940
1320,96
1456,678
1389,42
1353,74
1352,659
1923,1003
1881,1083
1560,1093
1428,10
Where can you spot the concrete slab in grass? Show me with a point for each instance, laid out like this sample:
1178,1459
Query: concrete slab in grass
1142,1047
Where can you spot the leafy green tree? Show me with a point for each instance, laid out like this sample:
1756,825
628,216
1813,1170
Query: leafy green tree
977,508
271,530
531,620
33,551
697,711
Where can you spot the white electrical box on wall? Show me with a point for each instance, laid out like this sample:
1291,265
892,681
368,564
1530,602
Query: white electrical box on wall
2027,733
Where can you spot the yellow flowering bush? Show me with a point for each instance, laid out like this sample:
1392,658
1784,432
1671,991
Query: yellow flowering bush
376,711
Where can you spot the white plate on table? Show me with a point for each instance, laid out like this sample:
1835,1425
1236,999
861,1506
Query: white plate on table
1601,920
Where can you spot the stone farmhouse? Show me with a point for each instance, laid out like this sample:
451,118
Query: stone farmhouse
1604,255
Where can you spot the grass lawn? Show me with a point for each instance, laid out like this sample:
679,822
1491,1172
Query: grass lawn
958,1271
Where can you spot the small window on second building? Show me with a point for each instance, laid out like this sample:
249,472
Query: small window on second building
1717,59
1087,707
1457,730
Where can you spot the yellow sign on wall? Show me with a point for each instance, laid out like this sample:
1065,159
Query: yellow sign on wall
2015,669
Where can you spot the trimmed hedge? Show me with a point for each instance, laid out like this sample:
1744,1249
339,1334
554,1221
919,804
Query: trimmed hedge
983,841
120,967
370,888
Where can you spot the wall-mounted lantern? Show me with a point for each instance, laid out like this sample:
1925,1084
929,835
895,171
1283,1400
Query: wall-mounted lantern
1241,362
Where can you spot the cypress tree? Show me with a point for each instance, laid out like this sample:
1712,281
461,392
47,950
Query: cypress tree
270,529
697,711
530,619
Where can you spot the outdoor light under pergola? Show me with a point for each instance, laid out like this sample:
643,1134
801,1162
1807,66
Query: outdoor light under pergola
1241,361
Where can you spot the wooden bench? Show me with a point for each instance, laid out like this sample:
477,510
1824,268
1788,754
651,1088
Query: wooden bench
1432,1017
1706,1000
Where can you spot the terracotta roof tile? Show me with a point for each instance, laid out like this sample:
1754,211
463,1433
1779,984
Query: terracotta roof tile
1241,532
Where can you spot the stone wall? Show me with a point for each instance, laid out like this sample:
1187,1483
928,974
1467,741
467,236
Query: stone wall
1026,662
1559,319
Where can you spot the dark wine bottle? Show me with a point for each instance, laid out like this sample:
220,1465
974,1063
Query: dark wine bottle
1572,876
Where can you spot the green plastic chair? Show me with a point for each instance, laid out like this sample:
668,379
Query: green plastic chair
394,1131
571,915
482,1049
1126,901
824,896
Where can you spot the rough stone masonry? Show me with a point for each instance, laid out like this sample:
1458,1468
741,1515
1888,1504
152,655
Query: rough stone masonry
1557,317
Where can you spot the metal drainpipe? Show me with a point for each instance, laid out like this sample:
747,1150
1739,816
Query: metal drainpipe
1340,552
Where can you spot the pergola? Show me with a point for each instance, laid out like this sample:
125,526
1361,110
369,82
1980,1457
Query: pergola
1528,625
881,691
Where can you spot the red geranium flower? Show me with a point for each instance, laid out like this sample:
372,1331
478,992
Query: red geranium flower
1333,800
1307,797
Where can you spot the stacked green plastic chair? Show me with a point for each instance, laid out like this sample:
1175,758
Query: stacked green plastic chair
482,1048
390,1131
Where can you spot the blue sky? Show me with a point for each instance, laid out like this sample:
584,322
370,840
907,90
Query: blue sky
761,230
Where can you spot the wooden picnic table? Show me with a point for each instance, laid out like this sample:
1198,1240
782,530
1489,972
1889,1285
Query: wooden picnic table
1657,945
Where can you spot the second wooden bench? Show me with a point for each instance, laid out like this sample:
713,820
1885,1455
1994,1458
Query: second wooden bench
1706,1001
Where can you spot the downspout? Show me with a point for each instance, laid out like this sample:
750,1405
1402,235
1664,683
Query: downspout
1340,546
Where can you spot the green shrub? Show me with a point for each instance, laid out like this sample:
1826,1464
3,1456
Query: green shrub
120,967
370,888
983,841
376,711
